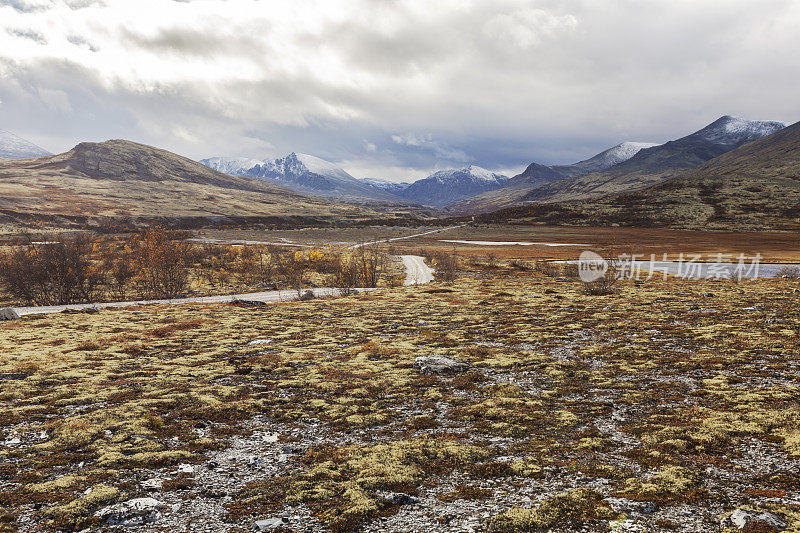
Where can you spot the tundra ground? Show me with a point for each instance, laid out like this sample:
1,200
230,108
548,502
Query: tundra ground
662,407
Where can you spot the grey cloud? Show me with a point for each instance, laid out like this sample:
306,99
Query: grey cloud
431,89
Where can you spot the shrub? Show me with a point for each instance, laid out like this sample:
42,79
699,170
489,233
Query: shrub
55,271
789,272
160,263
447,265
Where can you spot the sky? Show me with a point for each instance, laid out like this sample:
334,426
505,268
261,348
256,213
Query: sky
393,89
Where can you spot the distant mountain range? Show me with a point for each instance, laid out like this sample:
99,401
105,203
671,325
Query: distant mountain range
305,174
448,186
14,147
732,171
646,166
753,187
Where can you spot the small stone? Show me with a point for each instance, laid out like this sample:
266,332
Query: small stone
400,498
259,341
270,524
185,468
152,484
763,522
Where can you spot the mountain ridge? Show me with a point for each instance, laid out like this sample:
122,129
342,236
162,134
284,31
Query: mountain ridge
646,167
120,178
755,186
305,174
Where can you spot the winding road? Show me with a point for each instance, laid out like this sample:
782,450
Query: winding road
393,239
417,272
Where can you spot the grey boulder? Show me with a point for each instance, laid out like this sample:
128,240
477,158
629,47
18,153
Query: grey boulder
439,364
8,313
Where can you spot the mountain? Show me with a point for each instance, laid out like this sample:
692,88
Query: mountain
393,187
121,178
536,175
605,159
647,167
13,147
305,174
753,187
447,186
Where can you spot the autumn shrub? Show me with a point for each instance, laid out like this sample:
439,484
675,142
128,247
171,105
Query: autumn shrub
447,265
159,263
54,271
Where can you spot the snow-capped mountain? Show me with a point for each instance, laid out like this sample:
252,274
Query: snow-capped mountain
737,131
14,147
723,135
302,173
605,159
447,186
393,187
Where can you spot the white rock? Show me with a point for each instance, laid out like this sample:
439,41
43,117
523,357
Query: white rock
269,524
756,520
185,468
152,484
135,512
259,341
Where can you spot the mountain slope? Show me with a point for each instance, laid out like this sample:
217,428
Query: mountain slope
447,186
605,159
122,178
13,147
647,167
537,175
754,187
393,187
305,174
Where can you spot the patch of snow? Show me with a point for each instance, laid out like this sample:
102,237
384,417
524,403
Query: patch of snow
14,147
730,130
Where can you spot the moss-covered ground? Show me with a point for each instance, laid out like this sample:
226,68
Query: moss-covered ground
680,394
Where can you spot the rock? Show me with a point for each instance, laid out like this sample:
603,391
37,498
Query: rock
14,375
626,506
270,524
8,313
248,303
761,521
259,341
400,498
436,364
185,468
135,512
307,295
152,484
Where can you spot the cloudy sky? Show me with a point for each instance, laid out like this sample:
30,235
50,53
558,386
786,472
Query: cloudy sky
393,88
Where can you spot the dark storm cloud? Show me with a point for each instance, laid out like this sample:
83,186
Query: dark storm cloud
393,88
